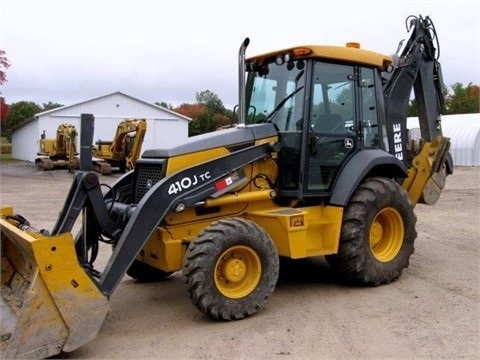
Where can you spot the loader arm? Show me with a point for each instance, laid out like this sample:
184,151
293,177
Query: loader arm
85,197
159,201
418,69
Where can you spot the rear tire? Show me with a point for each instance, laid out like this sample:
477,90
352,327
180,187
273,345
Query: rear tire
231,269
378,234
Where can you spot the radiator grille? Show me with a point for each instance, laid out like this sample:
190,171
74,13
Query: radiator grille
147,175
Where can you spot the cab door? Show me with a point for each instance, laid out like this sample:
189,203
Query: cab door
331,132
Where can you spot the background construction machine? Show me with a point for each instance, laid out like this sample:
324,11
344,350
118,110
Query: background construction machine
59,152
317,166
123,151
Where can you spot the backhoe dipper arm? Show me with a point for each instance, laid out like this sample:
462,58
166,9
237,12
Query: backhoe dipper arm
117,143
419,69
159,201
140,130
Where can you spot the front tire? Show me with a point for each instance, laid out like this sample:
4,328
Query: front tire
378,234
231,269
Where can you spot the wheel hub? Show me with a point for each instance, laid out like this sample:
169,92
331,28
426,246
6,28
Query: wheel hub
238,271
386,234
234,270
376,233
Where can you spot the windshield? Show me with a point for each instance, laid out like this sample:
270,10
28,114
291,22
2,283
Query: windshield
275,93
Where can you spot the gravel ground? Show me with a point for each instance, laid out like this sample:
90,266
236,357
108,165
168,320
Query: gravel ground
431,312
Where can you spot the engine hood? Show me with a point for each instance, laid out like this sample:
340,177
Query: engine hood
233,138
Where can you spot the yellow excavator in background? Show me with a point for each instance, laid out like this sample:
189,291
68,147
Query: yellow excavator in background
123,151
60,152
319,165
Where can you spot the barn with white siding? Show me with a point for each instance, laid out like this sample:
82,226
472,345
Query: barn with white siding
164,127
464,133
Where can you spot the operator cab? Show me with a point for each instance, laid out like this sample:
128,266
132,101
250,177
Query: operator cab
324,113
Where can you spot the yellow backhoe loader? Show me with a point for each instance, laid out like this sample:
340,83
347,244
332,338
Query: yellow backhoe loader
124,150
60,152
318,165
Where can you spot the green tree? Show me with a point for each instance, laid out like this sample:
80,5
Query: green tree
4,65
211,101
464,100
412,108
3,110
50,105
18,112
201,125
220,120
164,105
207,115
196,112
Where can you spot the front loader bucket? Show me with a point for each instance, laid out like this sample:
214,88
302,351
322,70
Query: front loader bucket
49,303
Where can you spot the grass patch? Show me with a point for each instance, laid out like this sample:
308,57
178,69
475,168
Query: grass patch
6,158
5,146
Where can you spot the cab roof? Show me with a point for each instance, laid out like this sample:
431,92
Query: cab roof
347,53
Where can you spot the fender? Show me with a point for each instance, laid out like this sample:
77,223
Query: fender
365,163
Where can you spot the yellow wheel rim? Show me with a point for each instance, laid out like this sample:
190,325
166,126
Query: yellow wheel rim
238,272
386,234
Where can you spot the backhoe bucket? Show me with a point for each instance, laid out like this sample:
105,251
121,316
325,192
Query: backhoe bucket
49,303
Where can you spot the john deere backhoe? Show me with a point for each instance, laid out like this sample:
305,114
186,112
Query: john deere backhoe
318,165
59,152
124,150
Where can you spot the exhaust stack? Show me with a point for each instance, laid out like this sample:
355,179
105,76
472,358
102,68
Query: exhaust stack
241,82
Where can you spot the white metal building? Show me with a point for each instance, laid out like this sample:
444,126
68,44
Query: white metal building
164,127
464,133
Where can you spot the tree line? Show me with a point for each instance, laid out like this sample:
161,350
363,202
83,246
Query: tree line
461,100
208,112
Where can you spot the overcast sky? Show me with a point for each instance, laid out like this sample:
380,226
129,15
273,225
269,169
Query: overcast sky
70,51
